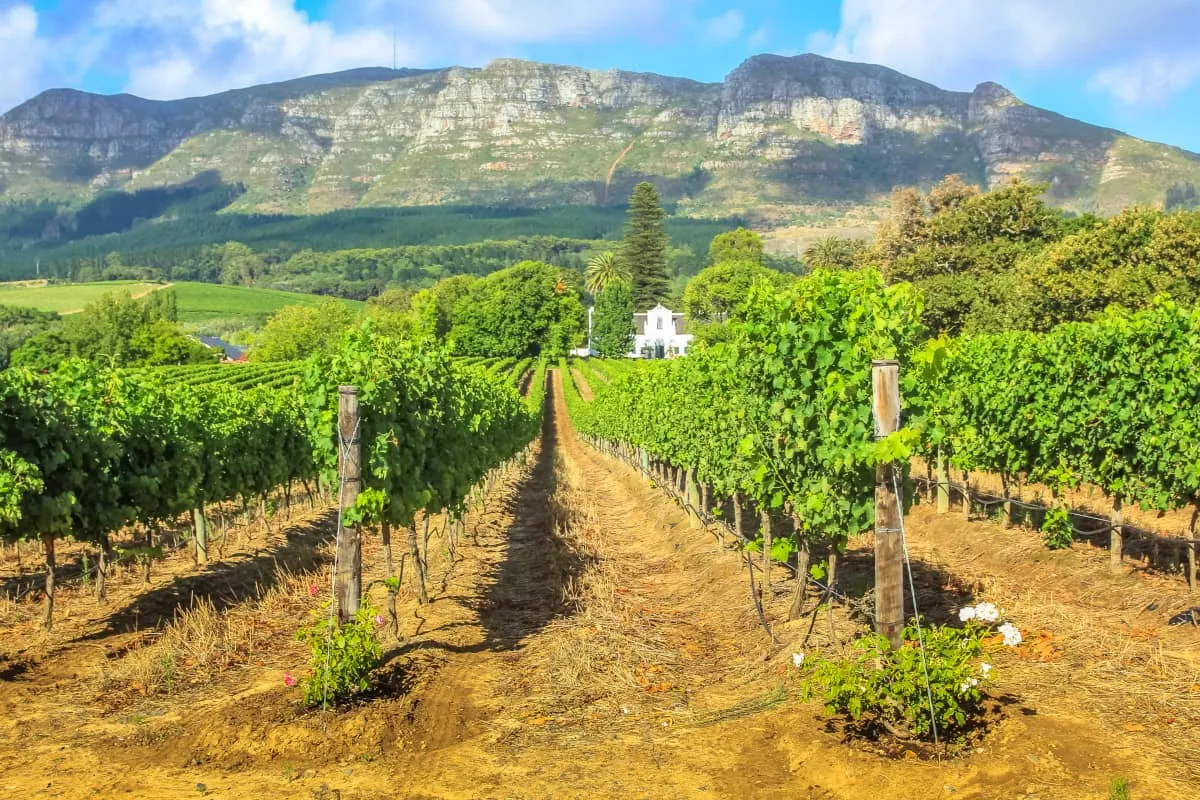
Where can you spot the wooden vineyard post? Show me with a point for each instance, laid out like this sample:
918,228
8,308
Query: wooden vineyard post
966,496
348,578
765,524
1194,530
889,562
645,462
943,485
1008,506
48,616
692,498
201,526
1116,535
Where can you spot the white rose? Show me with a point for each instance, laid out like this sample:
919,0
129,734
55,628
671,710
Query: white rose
1012,634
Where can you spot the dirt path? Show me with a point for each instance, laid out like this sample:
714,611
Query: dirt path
613,168
583,642
582,385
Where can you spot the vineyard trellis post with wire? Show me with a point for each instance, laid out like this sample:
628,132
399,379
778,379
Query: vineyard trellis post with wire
889,545
348,558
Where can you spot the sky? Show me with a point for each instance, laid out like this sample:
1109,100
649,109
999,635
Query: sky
1127,64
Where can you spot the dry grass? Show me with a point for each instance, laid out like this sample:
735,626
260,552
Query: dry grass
662,630
1093,638
202,642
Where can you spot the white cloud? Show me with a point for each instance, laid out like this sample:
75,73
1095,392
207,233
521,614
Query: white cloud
1147,81
174,48
20,62
962,42
760,37
186,48
545,20
725,27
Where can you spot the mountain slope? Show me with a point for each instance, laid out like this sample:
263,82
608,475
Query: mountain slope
781,137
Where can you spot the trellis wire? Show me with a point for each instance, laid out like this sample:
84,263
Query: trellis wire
989,500
912,588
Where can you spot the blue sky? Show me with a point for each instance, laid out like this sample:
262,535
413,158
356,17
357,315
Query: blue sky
1128,64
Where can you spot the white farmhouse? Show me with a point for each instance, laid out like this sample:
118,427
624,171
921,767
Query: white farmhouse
659,333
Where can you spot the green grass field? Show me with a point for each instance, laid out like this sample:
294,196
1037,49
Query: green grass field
197,302
66,298
202,302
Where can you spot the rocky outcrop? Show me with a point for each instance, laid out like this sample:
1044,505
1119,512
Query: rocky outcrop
778,131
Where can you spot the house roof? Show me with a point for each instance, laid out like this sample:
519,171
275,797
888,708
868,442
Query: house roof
232,351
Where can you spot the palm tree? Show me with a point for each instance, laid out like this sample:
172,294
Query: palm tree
833,252
603,270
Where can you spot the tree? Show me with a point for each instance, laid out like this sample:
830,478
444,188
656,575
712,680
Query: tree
240,264
834,252
612,322
295,332
958,245
644,251
18,325
603,270
162,342
117,330
434,307
521,311
715,294
1126,260
736,245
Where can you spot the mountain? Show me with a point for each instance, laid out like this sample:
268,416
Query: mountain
780,139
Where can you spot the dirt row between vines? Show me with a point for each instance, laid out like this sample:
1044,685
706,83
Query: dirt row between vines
586,642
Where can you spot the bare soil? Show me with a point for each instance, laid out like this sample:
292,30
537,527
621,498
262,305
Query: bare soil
585,641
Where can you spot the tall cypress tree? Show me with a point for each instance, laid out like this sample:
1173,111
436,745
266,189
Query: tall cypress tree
645,248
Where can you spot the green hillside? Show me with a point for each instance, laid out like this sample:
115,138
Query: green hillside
202,302
68,297
197,302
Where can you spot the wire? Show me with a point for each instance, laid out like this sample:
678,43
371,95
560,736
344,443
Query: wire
912,588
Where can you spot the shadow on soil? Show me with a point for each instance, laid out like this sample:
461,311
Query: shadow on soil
940,593
229,582
526,590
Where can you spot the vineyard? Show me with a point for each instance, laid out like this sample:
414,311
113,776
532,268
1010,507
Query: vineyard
782,418
612,577
90,451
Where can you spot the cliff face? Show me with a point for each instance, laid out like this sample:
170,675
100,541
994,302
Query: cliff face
779,134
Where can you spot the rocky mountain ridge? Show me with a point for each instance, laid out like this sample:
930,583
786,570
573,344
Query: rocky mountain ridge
782,138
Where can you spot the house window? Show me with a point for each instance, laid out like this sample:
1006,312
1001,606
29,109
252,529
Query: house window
659,323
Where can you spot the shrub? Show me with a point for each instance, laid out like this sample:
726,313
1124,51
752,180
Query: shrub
1056,529
880,686
342,657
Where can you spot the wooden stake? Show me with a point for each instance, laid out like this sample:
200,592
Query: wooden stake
348,579
765,518
1191,549
1116,535
418,571
966,495
943,485
692,497
737,514
201,526
1008,515
102,568
889,563
48,617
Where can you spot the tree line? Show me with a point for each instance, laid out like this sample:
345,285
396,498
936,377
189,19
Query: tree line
1006,260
